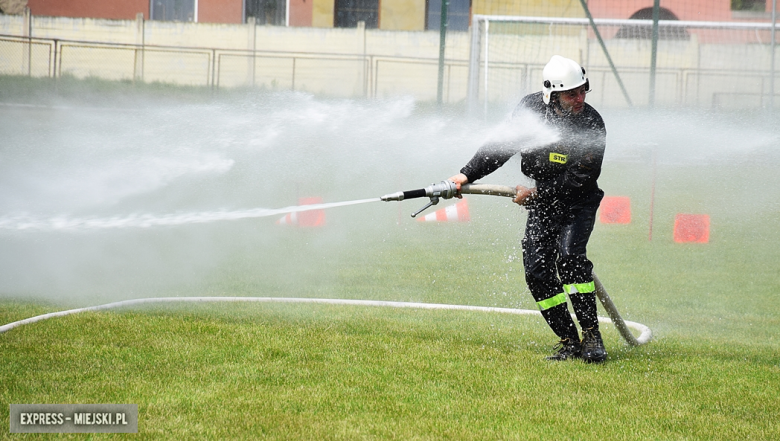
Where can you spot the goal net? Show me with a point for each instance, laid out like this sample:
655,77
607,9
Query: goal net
698,64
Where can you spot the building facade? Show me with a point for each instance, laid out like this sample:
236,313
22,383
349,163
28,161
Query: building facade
402,15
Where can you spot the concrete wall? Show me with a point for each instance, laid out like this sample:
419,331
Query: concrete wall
394,14
231,36
376,63
339,62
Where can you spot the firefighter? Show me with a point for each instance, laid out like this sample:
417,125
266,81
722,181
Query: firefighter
561,207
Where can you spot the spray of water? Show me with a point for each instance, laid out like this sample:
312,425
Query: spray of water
158,198
162,199
150,220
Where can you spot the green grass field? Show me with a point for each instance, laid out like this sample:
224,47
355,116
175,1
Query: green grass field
306,372
297,371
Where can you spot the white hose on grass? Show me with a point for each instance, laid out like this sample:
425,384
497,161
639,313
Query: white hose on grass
644,337
623,326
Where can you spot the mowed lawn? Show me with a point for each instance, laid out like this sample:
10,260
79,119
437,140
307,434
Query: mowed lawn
302,371
295,371
328,372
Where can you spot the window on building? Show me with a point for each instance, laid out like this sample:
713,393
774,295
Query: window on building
458,14
173,10
748,5
266,11
646,32
349,12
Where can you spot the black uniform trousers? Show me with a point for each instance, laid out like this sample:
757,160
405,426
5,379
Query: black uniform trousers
554,255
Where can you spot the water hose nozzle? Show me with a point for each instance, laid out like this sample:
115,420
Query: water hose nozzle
443,190
399,196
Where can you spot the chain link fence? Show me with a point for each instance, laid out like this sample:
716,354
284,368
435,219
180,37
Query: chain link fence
337,75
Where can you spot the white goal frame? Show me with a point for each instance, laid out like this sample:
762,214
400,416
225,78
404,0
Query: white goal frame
479,56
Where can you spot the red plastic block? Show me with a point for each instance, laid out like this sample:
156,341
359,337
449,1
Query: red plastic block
615,210
312,218
692,228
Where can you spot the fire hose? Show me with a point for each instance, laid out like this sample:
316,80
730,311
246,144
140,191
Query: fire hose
448,190
435,192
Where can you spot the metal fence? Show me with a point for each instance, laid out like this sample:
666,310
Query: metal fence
692,73
339,75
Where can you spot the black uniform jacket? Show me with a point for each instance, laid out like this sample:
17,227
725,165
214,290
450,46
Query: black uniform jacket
565,171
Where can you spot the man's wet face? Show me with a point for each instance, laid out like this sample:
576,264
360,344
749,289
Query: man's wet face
573,101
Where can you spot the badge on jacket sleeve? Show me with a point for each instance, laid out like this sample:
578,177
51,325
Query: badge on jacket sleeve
557,157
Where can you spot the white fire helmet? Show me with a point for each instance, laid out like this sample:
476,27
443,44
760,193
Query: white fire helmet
561,74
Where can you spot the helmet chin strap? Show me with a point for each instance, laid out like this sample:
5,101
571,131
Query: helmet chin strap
555,104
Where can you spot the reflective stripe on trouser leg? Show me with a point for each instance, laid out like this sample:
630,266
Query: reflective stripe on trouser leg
582,288
583,300
552,301
555,311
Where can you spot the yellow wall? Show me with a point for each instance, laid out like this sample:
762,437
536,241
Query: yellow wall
535,8
402,15
322,13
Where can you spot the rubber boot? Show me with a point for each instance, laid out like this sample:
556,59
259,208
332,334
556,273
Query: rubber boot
592,346
559,320
566,349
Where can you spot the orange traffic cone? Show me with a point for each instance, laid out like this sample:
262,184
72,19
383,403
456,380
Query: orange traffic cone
310,218
288,219
454,213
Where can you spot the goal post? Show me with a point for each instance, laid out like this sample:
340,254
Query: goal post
699,64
